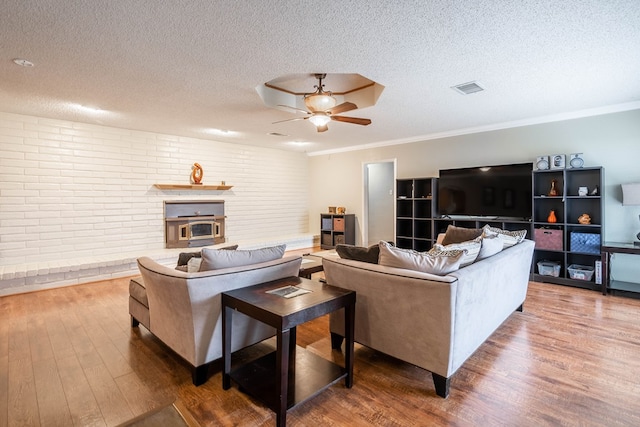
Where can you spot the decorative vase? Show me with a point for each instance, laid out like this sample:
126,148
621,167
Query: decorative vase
553,191
197,174
552,217
584,219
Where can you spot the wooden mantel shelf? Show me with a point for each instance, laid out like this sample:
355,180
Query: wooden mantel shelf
192,187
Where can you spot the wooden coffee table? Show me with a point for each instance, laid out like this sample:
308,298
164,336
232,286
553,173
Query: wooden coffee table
290,375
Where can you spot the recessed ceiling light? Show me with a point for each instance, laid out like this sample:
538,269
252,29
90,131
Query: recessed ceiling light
468,88
88,109
221,132
23,62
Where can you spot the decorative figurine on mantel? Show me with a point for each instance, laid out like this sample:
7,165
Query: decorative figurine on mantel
197,174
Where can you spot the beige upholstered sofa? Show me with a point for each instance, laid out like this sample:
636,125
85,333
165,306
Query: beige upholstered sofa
184,310
433,322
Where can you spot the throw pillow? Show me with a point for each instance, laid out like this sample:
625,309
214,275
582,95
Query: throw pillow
184,257
509,238
490,245
471,250
213,259
359,253
190,261
460,234
193,266
440,263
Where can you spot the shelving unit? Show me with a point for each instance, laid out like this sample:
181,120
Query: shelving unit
415,211
337,229
568,207
417,224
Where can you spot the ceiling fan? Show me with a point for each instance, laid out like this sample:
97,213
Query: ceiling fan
322,108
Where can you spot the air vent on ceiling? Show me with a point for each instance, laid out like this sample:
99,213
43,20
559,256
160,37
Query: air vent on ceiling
468,88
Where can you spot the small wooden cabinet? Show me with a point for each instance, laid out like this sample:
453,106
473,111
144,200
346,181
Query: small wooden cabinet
337,229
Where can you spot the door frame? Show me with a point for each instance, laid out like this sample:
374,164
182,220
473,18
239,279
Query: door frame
365,196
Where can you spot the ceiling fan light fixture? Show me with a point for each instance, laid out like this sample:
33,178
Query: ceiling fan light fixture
320,101
320,119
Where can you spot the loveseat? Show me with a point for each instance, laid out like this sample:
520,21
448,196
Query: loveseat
435,322
183,309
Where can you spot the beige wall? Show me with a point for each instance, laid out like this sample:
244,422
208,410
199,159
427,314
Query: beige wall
611,141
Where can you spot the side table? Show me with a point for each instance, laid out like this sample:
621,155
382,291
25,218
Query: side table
608,248
310,265
290,375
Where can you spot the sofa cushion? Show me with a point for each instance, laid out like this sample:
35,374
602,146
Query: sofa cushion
185,257
440,263
460,234
490,245
359,253
471,250
214,259
509,238
193,265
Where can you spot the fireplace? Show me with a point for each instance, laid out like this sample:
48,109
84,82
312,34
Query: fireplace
193,223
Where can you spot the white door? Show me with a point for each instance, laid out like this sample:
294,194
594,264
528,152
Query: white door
379,199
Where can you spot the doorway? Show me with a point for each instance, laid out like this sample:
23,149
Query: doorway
379,202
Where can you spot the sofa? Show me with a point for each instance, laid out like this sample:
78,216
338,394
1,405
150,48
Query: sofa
435,322
183,309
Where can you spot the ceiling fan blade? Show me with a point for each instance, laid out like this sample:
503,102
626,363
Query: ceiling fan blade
345,106
290,120
300,110
323,128
354,120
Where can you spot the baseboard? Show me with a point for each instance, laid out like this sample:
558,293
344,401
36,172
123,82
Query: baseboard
35,276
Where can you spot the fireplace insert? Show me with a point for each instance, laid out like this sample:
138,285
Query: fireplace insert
194,223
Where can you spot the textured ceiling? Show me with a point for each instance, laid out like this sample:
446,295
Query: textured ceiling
184,68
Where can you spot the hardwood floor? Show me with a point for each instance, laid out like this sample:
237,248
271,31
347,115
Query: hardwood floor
68,356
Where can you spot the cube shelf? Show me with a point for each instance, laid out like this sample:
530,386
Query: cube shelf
578,244
336,230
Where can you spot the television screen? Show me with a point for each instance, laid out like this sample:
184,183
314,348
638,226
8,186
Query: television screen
502,191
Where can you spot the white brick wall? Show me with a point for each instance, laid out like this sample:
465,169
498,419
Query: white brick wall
70,190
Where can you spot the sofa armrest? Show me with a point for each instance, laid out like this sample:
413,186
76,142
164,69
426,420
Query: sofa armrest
488,292
185,308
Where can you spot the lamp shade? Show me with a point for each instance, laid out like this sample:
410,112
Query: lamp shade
631,194
320,119
319,102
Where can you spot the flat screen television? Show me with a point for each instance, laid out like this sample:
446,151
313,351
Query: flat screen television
502,191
